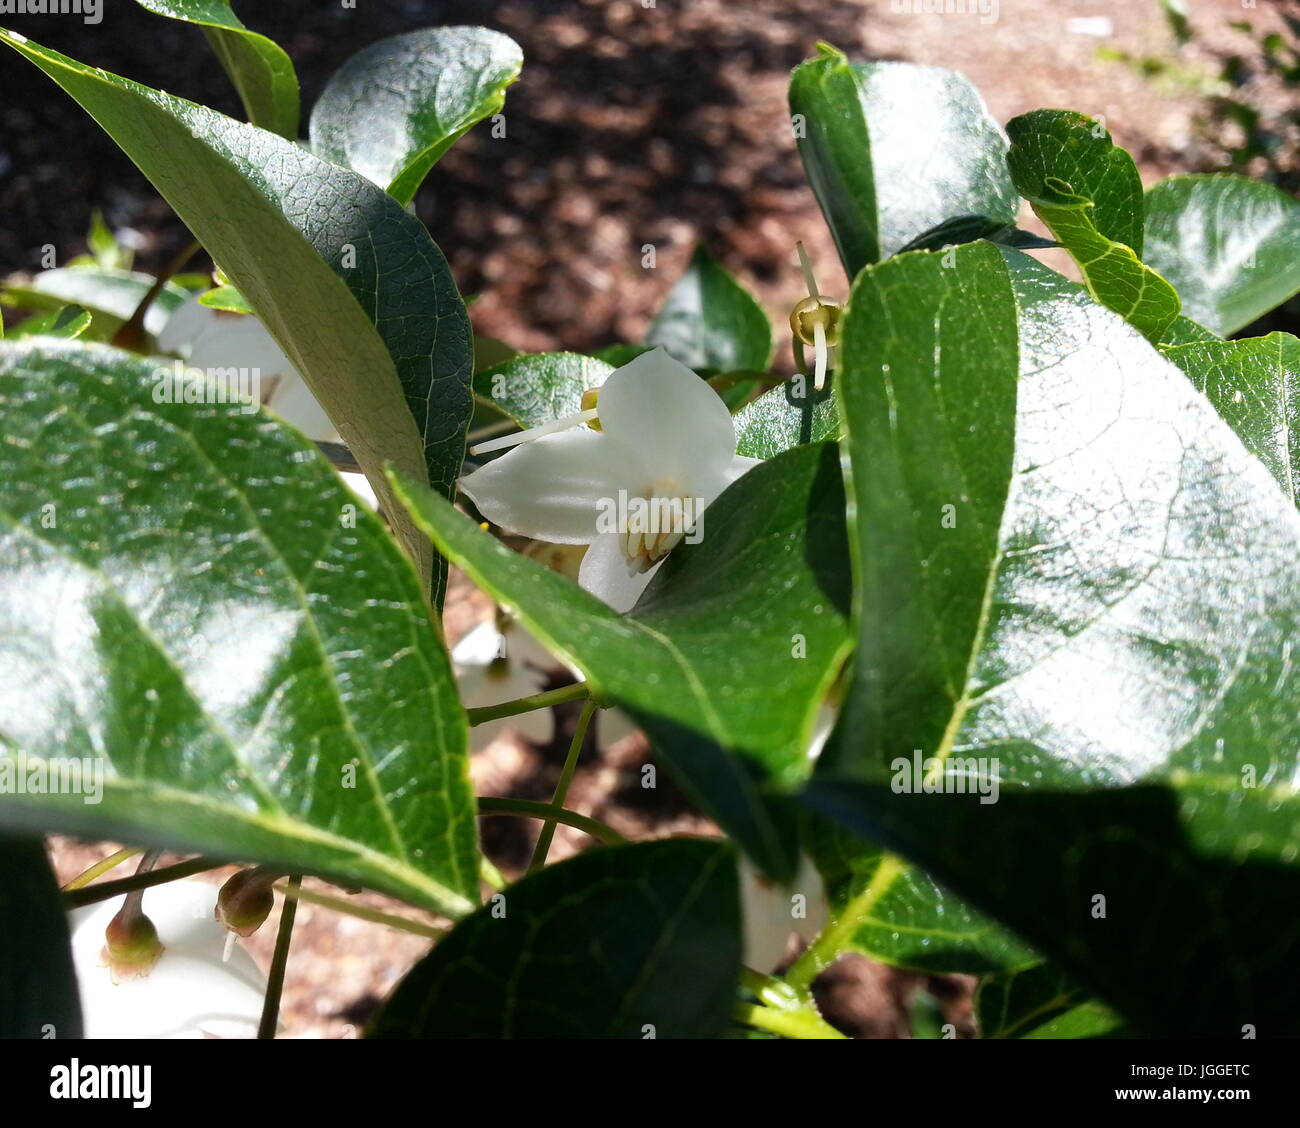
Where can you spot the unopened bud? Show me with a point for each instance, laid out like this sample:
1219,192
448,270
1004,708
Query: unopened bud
246,900
131,944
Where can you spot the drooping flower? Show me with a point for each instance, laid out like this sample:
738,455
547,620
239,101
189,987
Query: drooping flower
770,912
632,490
500,661
190,992
217,340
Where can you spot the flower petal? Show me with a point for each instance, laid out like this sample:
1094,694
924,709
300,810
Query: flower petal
735,468
608,575
552,488
658,405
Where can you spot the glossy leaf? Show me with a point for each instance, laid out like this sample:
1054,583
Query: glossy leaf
1255,385
1230,245
69,323
541,387
1078,149
622,942
1039,1002
38,988
782,418
259,69
968,228
111,296
1105,631
1087,191
893,149
357,295
395,107
191,598
771,565
711,323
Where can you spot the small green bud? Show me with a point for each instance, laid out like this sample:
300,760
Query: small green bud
808,312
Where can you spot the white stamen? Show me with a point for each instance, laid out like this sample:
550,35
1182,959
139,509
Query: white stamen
230,945
534,432
819,343
806,263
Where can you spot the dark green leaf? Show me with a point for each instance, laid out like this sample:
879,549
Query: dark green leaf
711,323
259,69
1230,245
356,294
38,988
191,598
892,150
1038,1001
1106,631
968,228
770,566
395,107
782,418
1086,189
1255,385
639,941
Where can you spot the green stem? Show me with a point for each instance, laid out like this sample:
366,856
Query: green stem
771,991
86,876
562,787
75,898
802,1023
527,704
838,935
361,912
279,959
549,812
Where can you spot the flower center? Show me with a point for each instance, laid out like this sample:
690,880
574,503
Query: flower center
656,521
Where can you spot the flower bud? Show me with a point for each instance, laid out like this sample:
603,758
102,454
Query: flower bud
246,900
131,944
811,310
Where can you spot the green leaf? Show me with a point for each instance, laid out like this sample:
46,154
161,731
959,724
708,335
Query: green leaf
771,565
540,387
1106,631
711,323
69,322
395,107
782,418
895,912
1038,1001
968,228
38,987
225,298
1087,191
1230,245
110,296
892,150
1078,149
630,941
261,72
190,598
357,295
1184,331
1255,385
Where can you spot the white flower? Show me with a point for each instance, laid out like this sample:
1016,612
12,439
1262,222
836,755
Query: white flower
770,912
191,992
211,339
665,437
492,667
